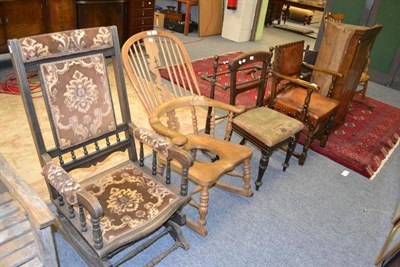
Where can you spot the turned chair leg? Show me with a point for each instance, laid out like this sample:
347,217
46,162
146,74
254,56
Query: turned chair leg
247,177
265,155
199,226
291,148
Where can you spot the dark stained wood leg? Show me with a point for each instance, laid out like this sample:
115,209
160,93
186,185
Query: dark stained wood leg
291,148
262,167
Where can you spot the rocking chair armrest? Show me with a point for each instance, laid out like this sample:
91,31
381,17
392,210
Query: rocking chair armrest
64,183
90,203
38,213
298,81
326,71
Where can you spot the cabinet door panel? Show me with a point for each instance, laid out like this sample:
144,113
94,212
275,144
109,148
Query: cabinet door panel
22,18
60,15
100,13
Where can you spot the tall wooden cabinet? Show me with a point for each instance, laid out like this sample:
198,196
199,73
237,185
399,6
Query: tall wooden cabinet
140,16
60,15
20,18
93,13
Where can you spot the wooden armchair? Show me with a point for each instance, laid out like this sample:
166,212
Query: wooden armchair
333,79
110,211
25,228
147,56
205,173
364,79
300,99
267,129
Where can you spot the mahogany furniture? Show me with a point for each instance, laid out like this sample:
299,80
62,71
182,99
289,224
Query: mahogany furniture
25,229
124,202
22,18
265,128
145,56
189,4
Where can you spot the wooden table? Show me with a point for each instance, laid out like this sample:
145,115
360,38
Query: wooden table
275,8
189,4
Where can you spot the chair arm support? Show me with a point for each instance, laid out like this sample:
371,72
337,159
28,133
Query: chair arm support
205,101
327,71
177,138
90,203
64,183
38,213
300,82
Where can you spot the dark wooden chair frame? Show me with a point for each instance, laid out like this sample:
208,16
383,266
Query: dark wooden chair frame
94,151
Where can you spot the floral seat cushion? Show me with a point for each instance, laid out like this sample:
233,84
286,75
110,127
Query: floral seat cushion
130,198
79,99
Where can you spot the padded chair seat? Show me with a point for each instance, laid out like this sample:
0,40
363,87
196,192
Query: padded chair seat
292,101
267,125
131,199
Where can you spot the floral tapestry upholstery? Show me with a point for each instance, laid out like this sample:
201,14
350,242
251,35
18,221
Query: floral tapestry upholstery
130,198
157,142
65,43
61,181
79,99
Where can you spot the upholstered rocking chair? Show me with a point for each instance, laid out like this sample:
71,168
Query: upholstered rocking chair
125,202
149,57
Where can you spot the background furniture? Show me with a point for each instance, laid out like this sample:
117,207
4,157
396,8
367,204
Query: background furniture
21,18
265,128
189,4
145,55
280,9
25,229
125,202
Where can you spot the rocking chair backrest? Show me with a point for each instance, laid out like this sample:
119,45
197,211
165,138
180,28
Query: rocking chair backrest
149,56
72,66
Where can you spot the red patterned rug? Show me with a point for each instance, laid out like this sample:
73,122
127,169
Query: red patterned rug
362,144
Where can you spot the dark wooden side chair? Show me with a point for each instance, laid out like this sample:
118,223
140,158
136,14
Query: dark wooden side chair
114,209
266,128
299,99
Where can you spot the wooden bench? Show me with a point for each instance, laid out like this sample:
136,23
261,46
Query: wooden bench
25,223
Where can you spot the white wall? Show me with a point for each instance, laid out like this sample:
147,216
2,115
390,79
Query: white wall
238,23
